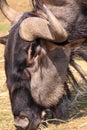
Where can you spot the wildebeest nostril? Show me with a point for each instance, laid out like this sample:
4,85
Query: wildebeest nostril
21,123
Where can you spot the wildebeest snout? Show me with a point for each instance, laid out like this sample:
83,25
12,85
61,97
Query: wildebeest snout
21,123
27,121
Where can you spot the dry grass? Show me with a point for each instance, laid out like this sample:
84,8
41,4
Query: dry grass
78,111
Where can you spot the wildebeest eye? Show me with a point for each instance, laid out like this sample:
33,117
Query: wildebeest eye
26,47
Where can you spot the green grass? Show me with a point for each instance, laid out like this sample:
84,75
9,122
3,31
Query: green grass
4,27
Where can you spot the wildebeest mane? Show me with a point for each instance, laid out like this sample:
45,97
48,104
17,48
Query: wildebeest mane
79,52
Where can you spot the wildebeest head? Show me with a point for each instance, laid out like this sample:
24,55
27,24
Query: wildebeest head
34,66
20,54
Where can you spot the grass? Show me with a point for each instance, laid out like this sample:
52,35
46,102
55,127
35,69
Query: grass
4,27
78,110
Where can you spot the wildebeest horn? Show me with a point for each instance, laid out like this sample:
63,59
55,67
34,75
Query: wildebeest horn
10,13
34,27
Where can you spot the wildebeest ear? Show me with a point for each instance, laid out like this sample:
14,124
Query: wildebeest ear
3,39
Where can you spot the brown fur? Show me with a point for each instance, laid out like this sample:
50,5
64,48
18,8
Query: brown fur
48,73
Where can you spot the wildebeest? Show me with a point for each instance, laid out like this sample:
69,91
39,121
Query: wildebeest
39,48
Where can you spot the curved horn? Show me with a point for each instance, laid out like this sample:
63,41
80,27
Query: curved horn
34,27
10,13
